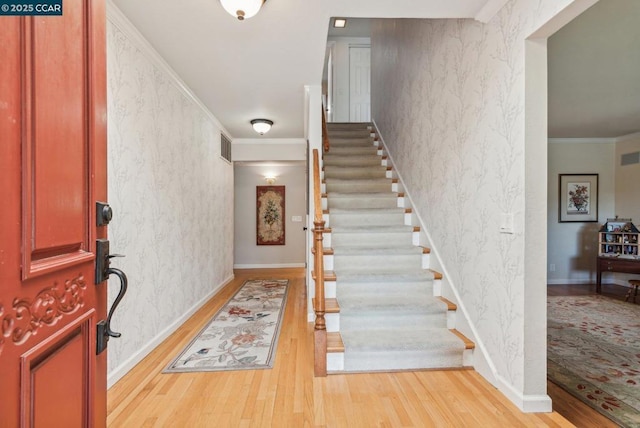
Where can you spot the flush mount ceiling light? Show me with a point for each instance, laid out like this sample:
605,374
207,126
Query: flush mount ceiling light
242,9
339,23
261,126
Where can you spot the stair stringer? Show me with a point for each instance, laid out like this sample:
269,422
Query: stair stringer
479,359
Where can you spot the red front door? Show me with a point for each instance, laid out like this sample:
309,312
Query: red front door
52,172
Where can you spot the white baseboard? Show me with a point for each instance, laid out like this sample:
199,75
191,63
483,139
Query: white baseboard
117,373
526,403
270,266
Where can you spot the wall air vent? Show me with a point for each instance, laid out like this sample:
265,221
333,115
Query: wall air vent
225,147
630,158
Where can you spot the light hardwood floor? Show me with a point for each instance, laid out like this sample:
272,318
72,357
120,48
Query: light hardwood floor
289,395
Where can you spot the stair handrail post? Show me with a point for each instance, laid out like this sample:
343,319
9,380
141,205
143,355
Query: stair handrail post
320,326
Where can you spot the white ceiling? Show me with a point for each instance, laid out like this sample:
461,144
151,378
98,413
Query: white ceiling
258,68
594,73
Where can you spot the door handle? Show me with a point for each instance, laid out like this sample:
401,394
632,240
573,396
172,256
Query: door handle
103,271
123,289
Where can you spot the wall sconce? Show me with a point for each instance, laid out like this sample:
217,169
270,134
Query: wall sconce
261,126
270,179
242,9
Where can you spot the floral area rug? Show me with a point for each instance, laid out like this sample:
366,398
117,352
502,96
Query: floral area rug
243,334
593,352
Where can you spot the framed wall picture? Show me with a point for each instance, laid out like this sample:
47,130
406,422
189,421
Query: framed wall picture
578,198
270,216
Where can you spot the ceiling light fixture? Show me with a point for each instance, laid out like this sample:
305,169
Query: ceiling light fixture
242,9
261,126
339,23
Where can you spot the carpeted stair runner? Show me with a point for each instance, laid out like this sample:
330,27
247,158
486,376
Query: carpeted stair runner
389,317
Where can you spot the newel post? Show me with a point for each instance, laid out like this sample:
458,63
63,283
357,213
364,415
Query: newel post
320,328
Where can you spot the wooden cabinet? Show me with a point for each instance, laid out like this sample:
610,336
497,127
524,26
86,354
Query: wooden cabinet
615,264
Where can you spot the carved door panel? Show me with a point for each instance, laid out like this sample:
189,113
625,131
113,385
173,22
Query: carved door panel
52,172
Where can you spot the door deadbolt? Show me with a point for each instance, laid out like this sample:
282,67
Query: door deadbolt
104,213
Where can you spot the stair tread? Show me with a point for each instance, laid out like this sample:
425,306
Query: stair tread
372,275
450,305
390,304
374,229
385,195
368,250
357,167
354,149
354,181
334,342
402,339
360,211
331,305
329,275
468,343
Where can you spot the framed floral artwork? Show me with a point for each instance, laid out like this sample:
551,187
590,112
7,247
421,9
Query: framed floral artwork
270,215
578,198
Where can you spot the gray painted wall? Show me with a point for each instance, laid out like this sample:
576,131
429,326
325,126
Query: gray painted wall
247,254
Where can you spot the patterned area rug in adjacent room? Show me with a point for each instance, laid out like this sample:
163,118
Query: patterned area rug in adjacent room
594,353
243,334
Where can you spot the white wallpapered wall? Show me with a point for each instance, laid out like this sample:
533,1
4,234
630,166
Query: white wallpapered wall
172,197
448,98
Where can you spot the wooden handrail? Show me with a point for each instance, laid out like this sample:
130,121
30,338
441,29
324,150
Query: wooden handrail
325,132
317,195
320,327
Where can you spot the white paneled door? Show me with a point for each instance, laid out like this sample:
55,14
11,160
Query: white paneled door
359,84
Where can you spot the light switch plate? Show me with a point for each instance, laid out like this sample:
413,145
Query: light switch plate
506,223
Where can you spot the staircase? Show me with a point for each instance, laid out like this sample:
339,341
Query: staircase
383,309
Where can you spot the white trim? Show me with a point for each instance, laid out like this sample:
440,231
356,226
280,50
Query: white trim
270,266
489,10
582,140
117,18
526,403
116,374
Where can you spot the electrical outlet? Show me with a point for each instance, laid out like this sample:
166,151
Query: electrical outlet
552,267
